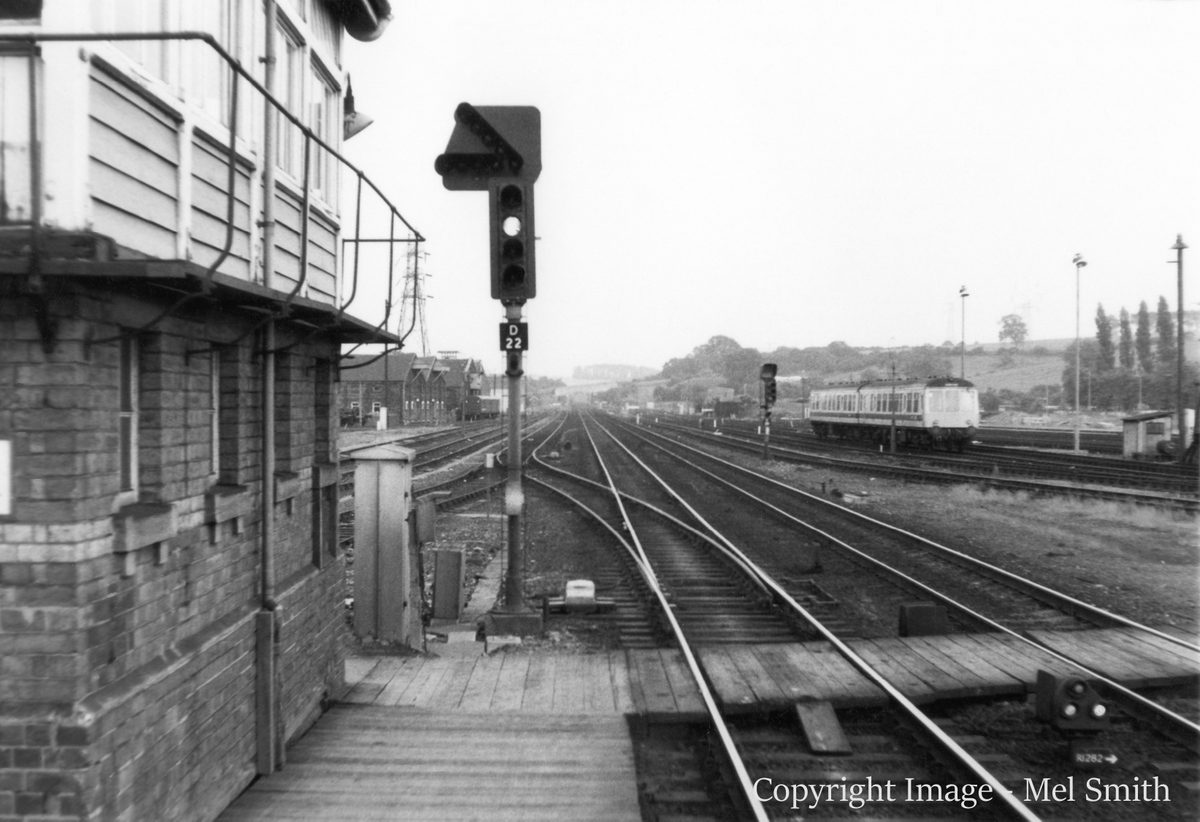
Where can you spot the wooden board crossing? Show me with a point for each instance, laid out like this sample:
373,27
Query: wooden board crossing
651,683
752,678
520,735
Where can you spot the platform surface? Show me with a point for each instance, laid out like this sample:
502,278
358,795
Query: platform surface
362,762
521,734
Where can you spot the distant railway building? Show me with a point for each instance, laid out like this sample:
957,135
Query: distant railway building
414,389
170,576
1151,435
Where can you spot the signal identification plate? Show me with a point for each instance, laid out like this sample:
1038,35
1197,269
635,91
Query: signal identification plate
514,337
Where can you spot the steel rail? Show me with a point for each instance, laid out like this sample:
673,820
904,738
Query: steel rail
743,776
670,519
1179,727
1020,581
1015,461
533,457
1185,503
911,710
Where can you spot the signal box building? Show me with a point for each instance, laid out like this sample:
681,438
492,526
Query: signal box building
171,591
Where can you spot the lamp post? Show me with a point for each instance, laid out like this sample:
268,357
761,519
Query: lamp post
1183,443
892,400
962,365
1079,263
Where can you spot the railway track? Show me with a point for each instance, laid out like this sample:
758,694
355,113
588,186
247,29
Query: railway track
764,608
945,469
996,453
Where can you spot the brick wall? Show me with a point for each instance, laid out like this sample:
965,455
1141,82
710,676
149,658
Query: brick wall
127,642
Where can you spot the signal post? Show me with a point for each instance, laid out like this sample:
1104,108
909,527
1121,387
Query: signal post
767,375
497,149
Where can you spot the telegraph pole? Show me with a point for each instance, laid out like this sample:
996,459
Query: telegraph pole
1079,263
1183,443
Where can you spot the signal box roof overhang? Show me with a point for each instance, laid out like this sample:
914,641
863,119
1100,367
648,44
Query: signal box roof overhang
175,279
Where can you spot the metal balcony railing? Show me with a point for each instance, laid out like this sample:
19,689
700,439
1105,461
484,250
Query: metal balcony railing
21,180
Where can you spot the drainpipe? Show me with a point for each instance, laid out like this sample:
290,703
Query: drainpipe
267,629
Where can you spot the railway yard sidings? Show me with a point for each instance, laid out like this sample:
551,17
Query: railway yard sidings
752,646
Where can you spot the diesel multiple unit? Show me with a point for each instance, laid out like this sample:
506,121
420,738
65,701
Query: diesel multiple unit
941,411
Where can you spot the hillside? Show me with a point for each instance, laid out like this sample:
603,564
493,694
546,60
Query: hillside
991,371
1026,372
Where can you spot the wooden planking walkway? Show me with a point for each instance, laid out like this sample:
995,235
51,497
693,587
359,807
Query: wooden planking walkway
363,762
1134,658
753,678
651,683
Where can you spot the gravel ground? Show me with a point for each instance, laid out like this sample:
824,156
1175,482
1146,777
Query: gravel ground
559,546
1140,562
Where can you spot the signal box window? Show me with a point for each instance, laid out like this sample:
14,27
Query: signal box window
127,387
134,15
289,78
326,123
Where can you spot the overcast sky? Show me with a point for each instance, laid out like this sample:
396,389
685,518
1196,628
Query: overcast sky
795,173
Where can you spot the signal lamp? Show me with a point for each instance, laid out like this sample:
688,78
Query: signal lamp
511,206
1070,703
769,392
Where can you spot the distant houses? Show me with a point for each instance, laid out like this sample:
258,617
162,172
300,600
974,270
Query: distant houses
413,389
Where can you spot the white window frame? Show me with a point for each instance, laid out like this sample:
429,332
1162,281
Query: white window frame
128,384
290,65
326,122
147,16
215,411
202,68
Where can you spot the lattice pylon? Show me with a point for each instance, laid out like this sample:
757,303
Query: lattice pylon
412,304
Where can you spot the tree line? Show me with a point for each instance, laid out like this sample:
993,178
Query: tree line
1137,368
